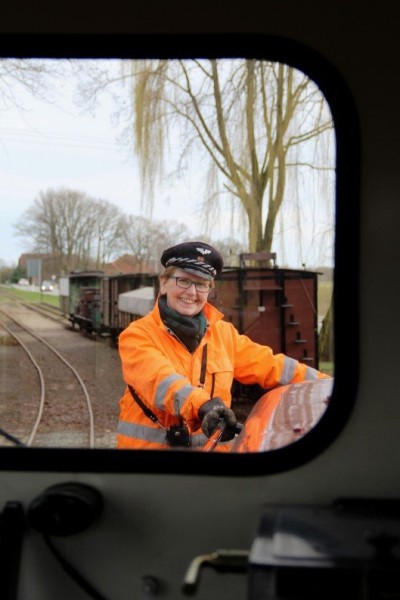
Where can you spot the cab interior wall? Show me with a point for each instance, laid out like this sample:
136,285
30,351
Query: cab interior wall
144,511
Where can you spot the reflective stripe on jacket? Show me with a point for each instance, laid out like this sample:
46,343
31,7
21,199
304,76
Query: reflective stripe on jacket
167,377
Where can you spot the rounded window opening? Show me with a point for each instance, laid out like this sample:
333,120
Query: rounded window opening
131,156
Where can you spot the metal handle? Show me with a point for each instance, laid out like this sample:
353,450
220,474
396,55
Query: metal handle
215,438
224,560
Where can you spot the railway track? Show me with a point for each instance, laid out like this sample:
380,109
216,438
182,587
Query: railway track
49,311
42,308
57,412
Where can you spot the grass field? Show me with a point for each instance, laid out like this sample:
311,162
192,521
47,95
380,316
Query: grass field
326,367
29,296
324,297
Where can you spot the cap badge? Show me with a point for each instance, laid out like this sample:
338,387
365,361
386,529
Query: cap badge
203,250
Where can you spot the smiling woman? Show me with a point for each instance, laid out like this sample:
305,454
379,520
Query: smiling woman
186,302
179,361
271,116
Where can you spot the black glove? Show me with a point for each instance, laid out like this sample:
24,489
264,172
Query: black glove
211,413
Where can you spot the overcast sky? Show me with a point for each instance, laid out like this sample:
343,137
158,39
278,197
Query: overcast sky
55,145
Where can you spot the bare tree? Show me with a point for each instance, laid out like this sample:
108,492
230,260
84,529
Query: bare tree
145,239
106,231
230,250
264,127
35,76
74,228
252,119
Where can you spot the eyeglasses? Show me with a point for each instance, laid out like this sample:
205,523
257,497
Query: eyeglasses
185,283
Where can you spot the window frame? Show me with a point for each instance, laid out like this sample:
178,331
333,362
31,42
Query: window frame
347,219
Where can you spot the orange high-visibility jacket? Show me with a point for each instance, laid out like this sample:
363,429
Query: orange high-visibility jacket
168,378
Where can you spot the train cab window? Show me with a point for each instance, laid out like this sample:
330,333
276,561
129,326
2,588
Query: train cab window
249,143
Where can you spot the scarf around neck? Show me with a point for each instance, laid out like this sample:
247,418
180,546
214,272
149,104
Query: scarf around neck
189,330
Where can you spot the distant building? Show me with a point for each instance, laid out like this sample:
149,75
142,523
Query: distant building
38,267
127,264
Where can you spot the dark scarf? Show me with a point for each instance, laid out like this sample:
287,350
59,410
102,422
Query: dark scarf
189,330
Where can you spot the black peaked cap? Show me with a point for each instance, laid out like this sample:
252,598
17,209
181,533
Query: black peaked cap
197,258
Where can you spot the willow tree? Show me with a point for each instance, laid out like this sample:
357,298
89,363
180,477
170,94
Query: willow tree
255,120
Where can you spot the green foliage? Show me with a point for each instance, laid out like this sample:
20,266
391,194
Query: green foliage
17,274
6,274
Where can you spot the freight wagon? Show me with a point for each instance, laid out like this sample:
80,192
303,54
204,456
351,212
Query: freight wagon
125,298
80,299
273,306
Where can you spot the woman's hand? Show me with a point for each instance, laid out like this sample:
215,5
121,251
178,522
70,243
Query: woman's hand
211,413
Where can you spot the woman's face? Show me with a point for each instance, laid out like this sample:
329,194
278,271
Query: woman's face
187,302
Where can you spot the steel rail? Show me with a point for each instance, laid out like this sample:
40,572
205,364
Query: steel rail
67,364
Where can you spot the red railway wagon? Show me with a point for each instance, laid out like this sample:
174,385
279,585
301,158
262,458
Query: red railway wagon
273,306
